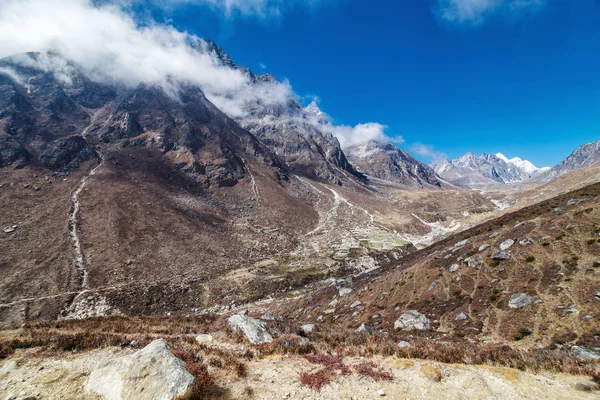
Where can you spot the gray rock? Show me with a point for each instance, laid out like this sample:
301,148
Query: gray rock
307,328
461,317
355,304
10,228
584,353
453,268
268,316
254,330
483,247
344,291
403,344
493,235
411,320
527,241
364,329
597,295
151,373
572,202
506,244
472,262
519,300
204,338
500,256
432,286
334,303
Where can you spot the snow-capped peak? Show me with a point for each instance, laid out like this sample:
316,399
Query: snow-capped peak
314,109
502,157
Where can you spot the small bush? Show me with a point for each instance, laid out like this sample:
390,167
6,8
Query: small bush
530,259
315,380
545,244
370,369
591,241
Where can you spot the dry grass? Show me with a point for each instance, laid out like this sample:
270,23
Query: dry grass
371,370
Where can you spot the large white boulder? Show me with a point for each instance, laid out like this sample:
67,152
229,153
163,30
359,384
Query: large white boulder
412,320
150,373
519,300
254,330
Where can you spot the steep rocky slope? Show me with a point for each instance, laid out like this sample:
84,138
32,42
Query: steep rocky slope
292,132
583,156
530,276
386,161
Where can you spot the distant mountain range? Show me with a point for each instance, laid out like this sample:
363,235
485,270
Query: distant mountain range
485,170
583,156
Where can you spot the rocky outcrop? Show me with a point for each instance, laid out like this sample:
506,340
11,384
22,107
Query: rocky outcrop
151,373
412,320
255,330
500,256
519,300
583,156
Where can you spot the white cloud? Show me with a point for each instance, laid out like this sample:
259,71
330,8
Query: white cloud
476,11
351,135
110,46
427,151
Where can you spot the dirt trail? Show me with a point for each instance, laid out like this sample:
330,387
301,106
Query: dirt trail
74,239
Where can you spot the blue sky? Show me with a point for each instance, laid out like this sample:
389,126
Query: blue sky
523,81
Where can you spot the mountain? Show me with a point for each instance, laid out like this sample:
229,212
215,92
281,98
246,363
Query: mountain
583,156
484,170
386,161
293,132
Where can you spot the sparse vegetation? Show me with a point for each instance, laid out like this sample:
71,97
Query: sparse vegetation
530,259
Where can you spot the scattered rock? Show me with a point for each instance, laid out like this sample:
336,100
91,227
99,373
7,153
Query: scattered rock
364,329
356,304
204,338
483,247
151,373
411,320
500,256
519,300
506,244
461,317
527,241
453,268
381,393
404,344
268,316
432,286
597,295
493,235
307,328
10,228
344,291
586,354
472,262
254,330
572,202
334,303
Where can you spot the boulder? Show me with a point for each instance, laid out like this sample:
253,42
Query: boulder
151,373
519,300
403,344
584,353
364,329
204,338
254,330
472,262
308,328
483,247
506,244
461,317
411,320
356,304
453,268
268,316
500,256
